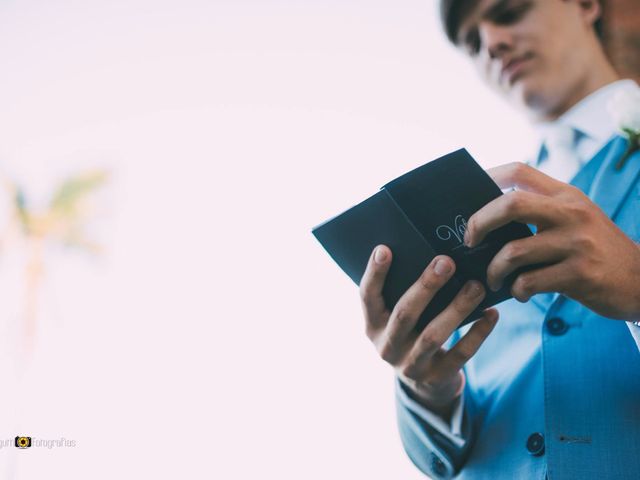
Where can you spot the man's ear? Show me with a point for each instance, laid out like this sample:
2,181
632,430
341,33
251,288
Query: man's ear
591,11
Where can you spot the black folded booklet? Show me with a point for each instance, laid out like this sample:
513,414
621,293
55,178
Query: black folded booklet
420,215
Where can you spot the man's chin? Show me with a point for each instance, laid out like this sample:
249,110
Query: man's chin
531,97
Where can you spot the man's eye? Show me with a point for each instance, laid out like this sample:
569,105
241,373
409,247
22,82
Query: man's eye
512,15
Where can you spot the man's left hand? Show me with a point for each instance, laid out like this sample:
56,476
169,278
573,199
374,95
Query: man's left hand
586,256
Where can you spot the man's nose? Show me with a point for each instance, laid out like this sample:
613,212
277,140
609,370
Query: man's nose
495,39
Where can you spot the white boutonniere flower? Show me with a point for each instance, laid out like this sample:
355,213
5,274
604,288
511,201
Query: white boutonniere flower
625,109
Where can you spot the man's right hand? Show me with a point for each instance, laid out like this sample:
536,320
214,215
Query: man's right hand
433,374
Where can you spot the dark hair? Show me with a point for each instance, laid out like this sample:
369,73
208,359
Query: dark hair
453,12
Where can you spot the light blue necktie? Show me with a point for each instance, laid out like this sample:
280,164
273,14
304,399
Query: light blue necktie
559,156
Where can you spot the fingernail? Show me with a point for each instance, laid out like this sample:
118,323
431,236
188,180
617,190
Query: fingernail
467,238
495,286
380,256
473,289
442,267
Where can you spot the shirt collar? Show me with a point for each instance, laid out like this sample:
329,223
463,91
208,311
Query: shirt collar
587,115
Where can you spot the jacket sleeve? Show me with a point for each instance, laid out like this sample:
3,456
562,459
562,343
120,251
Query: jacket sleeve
438,453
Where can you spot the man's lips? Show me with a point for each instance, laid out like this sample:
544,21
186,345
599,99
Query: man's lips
512,69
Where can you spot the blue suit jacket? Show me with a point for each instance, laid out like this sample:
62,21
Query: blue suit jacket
553,367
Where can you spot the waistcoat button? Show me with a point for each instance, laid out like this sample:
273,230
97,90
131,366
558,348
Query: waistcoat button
535,444
557,326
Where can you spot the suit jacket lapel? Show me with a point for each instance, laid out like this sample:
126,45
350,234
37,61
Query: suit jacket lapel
610,187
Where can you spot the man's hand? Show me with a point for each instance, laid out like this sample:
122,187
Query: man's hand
586,256
432,373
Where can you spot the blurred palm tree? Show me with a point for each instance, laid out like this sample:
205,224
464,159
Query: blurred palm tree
62,222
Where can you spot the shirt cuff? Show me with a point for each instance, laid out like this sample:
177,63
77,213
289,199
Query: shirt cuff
635,332
452,431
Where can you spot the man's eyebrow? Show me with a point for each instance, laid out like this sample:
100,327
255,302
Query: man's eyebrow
496,8
490,12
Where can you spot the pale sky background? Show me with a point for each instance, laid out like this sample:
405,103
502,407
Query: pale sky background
215,338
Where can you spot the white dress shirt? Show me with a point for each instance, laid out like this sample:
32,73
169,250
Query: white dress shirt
573,139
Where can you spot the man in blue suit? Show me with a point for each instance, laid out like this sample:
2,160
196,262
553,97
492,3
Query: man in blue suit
553,389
